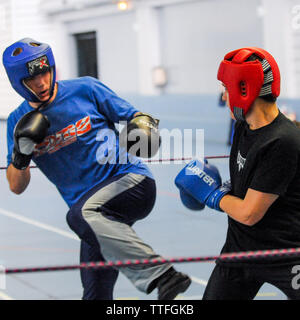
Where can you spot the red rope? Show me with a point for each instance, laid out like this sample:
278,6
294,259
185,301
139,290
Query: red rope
234,256
158,160
183,159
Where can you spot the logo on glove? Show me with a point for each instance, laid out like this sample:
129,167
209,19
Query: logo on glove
201,174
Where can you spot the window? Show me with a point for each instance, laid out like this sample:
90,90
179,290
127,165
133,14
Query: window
86,45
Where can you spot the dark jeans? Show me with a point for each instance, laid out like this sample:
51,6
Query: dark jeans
243,283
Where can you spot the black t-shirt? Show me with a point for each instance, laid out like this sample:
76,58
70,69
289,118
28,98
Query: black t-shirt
267,160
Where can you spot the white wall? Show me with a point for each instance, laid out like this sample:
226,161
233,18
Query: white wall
187,37
197,35
282,40
116,48
24,19
8,97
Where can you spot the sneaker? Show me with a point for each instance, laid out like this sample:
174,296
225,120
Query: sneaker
171,284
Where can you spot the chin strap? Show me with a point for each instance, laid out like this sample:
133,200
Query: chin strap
238,113
43,104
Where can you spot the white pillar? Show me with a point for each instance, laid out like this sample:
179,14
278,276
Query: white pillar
149,49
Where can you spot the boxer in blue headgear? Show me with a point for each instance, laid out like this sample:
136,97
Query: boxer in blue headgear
30,67
24,60
79,153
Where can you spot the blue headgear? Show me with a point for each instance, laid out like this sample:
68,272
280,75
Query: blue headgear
27,58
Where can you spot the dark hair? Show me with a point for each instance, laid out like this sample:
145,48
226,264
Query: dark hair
269,97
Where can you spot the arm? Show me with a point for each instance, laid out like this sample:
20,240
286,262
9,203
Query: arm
140,137
18,180
202,182
249,210
109,104
30,129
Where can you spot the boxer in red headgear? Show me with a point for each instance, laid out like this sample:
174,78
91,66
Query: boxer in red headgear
263,200
247,74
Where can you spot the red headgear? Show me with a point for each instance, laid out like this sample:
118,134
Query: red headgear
247,80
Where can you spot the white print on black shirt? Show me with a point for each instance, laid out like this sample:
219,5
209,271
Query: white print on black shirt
240,161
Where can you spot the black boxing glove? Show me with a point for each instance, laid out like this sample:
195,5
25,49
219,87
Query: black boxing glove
141,136
31,129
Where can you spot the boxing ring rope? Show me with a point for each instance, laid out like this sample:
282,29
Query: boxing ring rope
182,159
227,257
160,160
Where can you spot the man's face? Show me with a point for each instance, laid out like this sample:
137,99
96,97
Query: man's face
41,85
225,97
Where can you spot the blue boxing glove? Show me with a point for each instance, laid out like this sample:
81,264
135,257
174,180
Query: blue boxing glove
190,202
202,181
214,199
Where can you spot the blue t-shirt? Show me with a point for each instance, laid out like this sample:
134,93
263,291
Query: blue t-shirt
82,146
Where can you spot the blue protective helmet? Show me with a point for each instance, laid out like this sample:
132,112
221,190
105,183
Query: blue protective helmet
27,58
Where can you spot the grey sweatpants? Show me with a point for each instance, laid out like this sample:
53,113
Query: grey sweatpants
103,219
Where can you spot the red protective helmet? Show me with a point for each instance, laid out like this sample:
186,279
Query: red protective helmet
247,80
